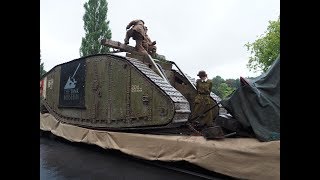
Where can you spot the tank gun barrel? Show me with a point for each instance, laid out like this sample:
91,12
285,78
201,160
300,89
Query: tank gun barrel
130,49
119,45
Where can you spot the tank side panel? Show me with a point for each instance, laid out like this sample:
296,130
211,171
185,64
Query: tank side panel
88,112
147,101
50,91
52,87
118,94
120,78
96,96
162,108
103,93
141,94
71,112
56,87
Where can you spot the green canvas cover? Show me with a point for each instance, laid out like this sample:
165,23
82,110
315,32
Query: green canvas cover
256,103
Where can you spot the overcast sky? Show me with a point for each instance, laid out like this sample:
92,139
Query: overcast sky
196,34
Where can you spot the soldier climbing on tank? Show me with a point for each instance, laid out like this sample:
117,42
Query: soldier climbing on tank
203,101
135,29
148,45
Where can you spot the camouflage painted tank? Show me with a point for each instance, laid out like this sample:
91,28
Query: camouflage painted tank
107,91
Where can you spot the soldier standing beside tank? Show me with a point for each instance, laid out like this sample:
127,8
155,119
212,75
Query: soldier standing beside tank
203,100
137,32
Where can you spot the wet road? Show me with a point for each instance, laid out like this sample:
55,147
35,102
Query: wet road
62,160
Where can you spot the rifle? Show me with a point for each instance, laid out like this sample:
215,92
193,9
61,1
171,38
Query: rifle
195,118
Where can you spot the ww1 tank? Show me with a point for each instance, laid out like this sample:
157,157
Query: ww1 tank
113,92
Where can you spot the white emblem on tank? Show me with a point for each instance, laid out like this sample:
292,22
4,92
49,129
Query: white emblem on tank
71,83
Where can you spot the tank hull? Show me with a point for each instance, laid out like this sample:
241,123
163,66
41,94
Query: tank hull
112,92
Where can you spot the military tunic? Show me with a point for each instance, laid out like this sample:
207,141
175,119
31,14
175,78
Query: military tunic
203,102
148,44
138,26
137,33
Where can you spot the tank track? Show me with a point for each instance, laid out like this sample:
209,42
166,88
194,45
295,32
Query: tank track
182,108
181,104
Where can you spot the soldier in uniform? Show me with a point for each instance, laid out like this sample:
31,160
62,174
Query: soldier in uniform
203,100
137,32
148,45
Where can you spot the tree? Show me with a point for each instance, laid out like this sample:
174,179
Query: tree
42,71
233,83
216,81
225,90
96,27
266,49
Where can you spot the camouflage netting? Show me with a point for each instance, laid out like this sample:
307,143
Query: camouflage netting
256,104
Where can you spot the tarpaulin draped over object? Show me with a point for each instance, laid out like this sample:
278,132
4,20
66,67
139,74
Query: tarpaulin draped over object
244,158
256,104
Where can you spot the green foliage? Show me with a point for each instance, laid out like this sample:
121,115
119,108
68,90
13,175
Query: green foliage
224,88
42,71
96,27
266,49
216,81
234,83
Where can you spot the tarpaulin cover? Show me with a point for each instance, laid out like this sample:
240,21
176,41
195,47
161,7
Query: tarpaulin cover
244,158
256,104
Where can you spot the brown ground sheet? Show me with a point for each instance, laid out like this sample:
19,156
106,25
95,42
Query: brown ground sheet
244,158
